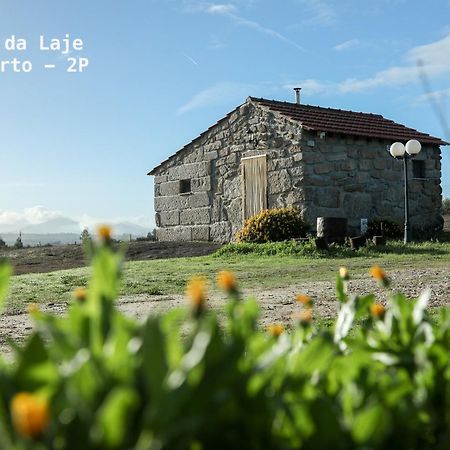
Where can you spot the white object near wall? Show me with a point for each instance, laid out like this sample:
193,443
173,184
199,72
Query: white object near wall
364,225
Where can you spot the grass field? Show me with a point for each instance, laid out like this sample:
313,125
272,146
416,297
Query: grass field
169,276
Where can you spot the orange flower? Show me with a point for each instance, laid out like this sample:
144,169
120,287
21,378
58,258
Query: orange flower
275,329
305,316
196,291
380,275
30,414
377,310
104,232
226,280
304,300
33,308
80,294
343,273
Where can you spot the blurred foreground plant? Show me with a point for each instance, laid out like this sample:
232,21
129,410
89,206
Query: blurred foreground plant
96,379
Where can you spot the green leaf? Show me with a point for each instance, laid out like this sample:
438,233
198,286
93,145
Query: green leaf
5,273
154,359
115,416
341,293
369,424
35,370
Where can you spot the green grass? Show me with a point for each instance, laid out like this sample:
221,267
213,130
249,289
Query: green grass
254,271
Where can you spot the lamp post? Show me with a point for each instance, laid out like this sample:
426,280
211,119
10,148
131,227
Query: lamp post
400,151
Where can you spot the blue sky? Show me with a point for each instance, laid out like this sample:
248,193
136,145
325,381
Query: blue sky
161,71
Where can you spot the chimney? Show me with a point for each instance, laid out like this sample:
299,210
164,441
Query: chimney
297,95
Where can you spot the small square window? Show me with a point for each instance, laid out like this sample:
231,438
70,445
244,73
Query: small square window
418,169
185,186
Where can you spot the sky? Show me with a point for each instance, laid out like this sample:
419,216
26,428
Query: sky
79,145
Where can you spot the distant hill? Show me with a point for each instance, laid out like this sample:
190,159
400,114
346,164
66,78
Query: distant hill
63,230
34,239
54,226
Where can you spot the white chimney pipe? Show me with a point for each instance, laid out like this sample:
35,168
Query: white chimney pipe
297,95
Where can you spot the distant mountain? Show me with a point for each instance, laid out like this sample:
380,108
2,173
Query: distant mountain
129,228
53,226
63,230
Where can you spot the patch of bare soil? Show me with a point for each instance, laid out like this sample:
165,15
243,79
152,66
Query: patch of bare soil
277,305
62,257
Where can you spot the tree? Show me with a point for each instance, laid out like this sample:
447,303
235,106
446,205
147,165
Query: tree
446,206
2,243
18,244
85,236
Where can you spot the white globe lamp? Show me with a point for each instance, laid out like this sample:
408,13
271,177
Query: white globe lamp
413,147
397,149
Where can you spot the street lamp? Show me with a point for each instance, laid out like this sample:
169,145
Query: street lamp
400,151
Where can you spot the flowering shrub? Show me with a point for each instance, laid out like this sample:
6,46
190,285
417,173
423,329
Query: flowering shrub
95,379
273,225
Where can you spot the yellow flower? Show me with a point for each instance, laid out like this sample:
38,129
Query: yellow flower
104,232
305,316
380,275
343,273
377,310
275,329
226,280
80,294
304,300
30,414
196,291
33,308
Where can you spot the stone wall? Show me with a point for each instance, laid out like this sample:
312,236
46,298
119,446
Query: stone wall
358,178
213,210
329,176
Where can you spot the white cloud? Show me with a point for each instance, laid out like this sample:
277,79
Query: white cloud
15,221
347,45
221,9
216,94
432,59
435,96
321,12
31,216
231,12
310,86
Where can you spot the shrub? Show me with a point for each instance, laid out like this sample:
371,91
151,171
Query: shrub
385,227
18,244
272,225
376,378
445,206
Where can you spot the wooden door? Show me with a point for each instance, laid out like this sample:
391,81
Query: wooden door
254,185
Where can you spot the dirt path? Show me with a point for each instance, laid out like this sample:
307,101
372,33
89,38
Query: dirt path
277,305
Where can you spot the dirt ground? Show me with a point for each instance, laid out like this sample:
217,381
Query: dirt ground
62,257
277,305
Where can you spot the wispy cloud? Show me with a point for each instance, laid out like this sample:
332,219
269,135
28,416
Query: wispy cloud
231,12
189,58
216,94
347,45
320,12
432,58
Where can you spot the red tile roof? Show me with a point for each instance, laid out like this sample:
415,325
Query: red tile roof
351,123
331,120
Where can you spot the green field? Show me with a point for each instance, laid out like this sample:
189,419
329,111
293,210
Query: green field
168,276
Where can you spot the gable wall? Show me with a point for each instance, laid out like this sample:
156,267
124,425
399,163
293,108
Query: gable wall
358,178
213,211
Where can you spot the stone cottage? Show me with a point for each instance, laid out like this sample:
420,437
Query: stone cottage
266,154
